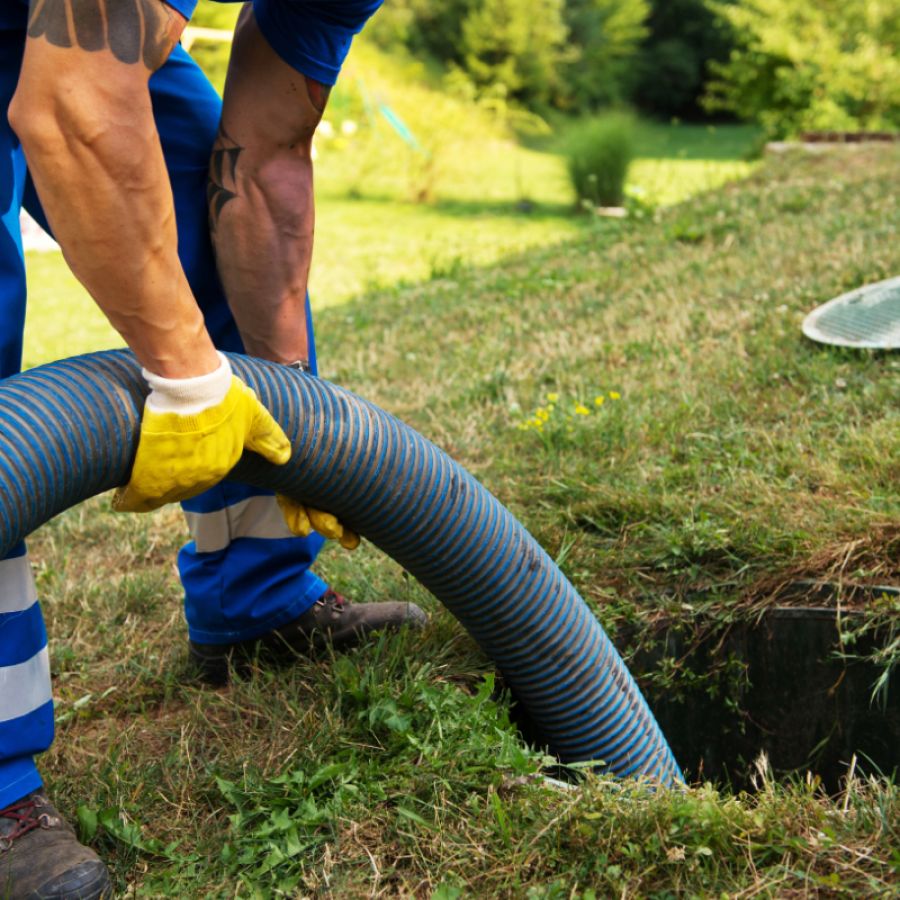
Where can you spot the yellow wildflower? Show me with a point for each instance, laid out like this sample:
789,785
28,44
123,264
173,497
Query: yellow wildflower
615,395
553,397
581,410
598,401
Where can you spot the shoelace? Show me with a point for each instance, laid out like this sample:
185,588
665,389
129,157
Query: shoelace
25,819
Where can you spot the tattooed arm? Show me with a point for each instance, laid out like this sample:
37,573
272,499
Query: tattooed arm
82,111
261,194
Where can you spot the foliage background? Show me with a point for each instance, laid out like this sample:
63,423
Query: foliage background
792,66
800,66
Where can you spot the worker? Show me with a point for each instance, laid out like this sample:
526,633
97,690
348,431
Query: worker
190,222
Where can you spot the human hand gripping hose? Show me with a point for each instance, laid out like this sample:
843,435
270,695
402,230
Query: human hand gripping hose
304,519
193,432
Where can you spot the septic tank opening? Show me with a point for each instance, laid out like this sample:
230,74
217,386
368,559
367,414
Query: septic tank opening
803,698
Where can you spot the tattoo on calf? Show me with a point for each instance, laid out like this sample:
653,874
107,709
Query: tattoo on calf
131,29
221,185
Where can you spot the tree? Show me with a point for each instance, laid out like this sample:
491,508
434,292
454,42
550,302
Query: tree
799,66
605,36
518,44
430,26
684,36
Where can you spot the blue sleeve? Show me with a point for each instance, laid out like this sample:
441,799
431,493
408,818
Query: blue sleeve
185,7
313,36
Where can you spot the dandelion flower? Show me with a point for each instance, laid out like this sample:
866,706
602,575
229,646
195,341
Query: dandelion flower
615,395
598,401
582,410
553,397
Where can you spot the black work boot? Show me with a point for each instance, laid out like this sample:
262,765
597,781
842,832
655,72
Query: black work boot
40,857
331,621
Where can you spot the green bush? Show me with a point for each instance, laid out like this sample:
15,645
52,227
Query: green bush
800,66
598,153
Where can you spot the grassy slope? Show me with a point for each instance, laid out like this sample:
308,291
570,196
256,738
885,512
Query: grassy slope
734,458
738,448
370,231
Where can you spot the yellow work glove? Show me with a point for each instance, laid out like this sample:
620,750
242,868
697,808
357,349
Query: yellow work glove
303,520
193,432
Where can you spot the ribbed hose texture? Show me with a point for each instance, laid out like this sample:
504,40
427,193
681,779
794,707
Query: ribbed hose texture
69,431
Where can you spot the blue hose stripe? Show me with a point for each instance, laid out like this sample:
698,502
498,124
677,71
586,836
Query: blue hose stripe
445,516
600,715
572,643
475,596
599,672
548,647
50,468
348,475
458,542
398,519
353,475
553,629
557,666
571,659
77,434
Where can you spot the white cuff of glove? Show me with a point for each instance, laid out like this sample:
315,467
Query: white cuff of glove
188,396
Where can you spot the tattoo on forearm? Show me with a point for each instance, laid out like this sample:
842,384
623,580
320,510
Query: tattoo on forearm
132,30
222,183
317,93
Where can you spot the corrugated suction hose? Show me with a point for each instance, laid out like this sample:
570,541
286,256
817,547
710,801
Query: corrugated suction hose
69,430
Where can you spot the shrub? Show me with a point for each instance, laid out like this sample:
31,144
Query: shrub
799,66
598,153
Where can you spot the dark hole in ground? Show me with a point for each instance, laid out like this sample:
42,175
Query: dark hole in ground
783,690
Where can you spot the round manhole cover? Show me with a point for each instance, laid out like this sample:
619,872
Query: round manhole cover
867,317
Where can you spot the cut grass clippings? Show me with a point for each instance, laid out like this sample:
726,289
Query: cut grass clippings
736,455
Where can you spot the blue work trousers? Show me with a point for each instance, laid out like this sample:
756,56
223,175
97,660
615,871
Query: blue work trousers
243,574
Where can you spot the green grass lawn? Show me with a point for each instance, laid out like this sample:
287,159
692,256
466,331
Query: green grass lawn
370,234
729,456
486,195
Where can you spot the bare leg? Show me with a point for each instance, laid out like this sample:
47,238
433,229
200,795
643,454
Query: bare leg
261,194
